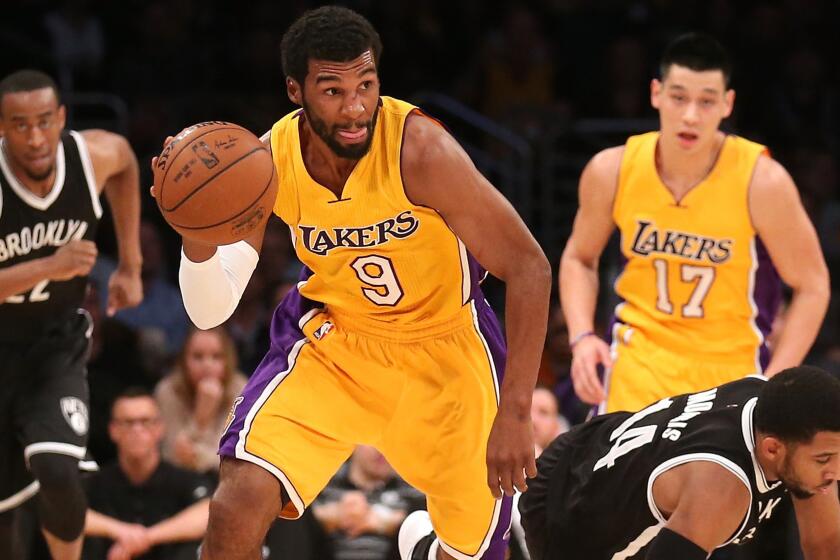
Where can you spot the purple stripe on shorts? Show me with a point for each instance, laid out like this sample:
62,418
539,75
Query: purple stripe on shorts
767,294
284,333
489,327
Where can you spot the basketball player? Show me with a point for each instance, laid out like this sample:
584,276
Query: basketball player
387,340
693,473
50,182
706,220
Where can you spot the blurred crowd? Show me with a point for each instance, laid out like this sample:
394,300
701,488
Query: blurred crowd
530,66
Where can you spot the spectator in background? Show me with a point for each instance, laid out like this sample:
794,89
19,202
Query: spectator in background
195,398
140,506
546,418
362,507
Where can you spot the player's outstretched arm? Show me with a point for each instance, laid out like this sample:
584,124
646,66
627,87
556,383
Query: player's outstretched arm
579,271
705,505
213,278
438,173
783,226
116,171
818,519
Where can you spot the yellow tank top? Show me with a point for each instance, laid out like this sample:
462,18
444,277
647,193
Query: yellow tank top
696,278
372,253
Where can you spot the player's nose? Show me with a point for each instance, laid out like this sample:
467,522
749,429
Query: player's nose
36,137
353,106
690,115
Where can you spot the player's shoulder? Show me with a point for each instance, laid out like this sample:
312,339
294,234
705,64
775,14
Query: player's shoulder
607,161
425,141
770,174
103,143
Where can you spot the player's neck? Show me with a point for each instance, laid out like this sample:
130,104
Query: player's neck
139,470
322,163
682,171
38,187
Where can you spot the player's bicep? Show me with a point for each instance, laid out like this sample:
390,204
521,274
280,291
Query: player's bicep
443,177
593,222
110,154
783,225
711,506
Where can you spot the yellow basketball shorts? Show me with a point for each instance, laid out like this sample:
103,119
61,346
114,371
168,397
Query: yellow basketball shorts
425,397
644,373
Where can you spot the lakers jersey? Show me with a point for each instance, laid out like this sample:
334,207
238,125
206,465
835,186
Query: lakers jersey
372,252
696,278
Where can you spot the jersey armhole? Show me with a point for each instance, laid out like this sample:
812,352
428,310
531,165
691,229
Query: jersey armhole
689,458
90,176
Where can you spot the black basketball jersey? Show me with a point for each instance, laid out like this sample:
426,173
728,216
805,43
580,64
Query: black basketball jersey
600,502
32,227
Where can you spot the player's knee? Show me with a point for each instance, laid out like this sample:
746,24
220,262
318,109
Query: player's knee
61,501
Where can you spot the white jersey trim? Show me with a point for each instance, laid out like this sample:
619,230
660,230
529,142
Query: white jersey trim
638,543
754,306
53,447
761,481
241,453
690,458
18,498
25,194
87,165
466,280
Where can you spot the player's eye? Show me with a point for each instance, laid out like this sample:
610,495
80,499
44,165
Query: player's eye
824,461
21,127
367,84
678,98
331,91
44,124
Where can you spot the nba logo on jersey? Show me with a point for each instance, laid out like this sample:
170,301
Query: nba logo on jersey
76,414
323,330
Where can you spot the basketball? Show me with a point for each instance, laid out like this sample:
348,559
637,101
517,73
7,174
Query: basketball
215,182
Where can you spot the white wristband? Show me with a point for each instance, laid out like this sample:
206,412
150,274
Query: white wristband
211,289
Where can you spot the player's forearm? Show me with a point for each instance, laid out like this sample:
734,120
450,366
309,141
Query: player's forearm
188,525
123,194
526,320
802,323
578,293
100,525
22,277
823,551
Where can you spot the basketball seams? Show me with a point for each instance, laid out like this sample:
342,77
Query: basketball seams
174,156
231,218
213,177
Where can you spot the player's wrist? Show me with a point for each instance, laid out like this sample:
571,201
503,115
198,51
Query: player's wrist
580,337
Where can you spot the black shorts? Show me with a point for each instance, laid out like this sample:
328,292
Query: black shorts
43,404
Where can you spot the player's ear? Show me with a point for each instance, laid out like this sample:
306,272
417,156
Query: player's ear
773,448
62,116
294,90
655,90
728,102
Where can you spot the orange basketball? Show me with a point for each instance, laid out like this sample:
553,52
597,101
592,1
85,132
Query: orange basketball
215,182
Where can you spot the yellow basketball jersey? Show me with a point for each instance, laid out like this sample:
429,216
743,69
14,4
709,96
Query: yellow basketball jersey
373,254
697,279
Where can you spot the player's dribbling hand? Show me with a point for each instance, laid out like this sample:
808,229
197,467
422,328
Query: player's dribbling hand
76,258
586,356
510,452
166,142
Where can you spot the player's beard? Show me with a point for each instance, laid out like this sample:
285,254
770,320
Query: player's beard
792,482
328,134
43,176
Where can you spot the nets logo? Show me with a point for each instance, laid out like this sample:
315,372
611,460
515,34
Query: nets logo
76,414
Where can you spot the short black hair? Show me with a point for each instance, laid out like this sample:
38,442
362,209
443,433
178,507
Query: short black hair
27,80
328,33
131,392
797,403
698,52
